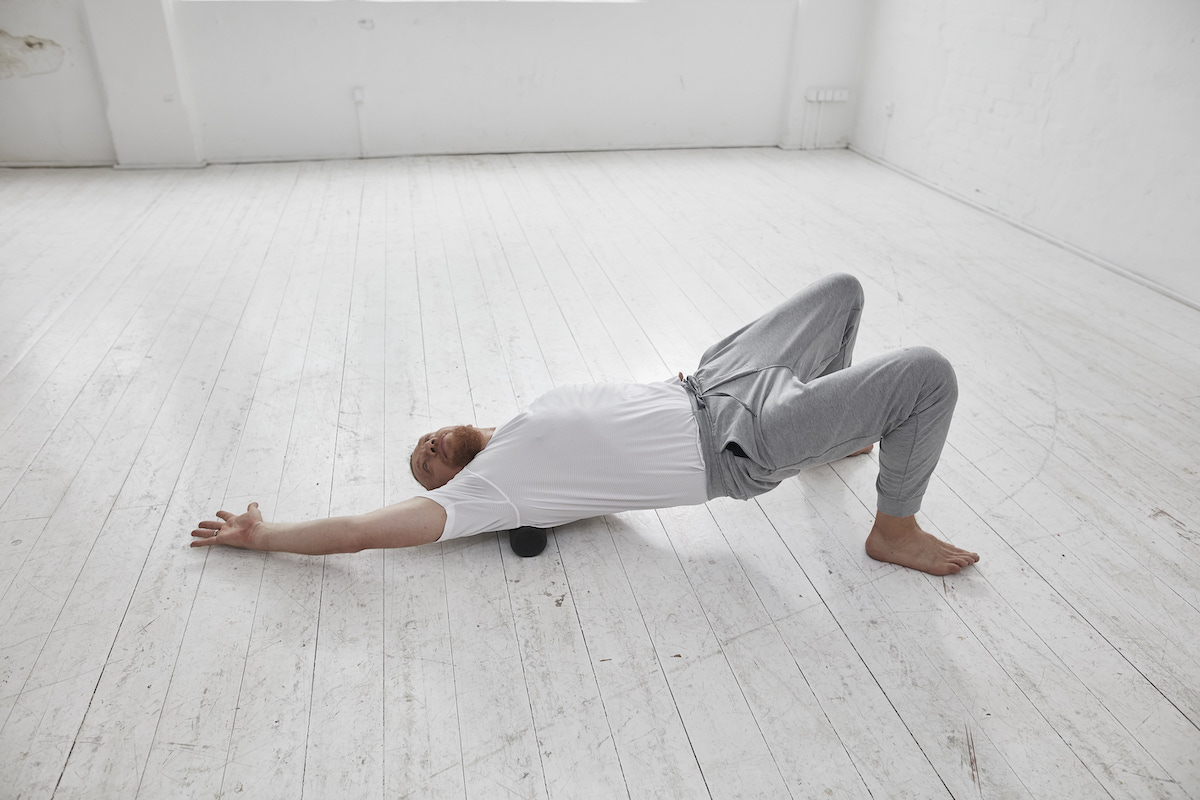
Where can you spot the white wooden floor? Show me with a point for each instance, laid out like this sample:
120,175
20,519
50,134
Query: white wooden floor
176,342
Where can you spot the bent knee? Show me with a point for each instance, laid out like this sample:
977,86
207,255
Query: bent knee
935,368
846,286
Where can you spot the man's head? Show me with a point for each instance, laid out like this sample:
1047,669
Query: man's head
441,455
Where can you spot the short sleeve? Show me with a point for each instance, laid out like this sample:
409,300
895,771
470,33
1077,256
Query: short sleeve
473,505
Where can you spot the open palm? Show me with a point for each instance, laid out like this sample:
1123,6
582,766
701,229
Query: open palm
232,530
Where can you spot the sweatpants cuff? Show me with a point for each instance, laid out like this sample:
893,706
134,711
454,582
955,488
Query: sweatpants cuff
899,508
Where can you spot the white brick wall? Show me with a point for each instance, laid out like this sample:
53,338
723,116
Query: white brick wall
1077,119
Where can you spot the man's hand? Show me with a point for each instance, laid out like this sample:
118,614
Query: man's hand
233,531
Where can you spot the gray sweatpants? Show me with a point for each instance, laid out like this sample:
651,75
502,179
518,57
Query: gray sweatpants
780,395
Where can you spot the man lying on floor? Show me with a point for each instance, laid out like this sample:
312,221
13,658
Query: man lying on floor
778,396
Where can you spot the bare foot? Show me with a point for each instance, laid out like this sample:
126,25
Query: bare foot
900,540
862,452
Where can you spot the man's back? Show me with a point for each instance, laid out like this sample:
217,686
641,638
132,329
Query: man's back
580,451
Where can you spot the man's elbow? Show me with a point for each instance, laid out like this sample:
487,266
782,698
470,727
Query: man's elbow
354,537
379,534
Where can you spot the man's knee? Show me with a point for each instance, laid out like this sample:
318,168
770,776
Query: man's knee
936,371
844,286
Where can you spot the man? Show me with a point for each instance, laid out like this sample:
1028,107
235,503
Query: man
773,398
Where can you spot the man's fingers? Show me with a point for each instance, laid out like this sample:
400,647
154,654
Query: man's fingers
209,531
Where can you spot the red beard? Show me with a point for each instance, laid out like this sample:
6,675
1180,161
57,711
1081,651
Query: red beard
465,443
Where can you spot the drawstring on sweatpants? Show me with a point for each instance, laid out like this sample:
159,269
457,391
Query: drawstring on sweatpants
699,393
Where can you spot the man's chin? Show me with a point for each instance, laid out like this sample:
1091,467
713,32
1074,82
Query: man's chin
463,443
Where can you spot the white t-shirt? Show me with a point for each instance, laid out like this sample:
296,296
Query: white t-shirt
580,451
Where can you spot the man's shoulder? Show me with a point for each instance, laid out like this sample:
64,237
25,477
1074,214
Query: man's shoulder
470,482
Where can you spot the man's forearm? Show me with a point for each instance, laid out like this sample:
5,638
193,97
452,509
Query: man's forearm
413,522
316,537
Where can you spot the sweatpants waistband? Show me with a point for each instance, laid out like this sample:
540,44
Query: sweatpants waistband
717,476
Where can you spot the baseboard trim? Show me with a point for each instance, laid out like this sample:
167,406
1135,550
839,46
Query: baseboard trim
189,165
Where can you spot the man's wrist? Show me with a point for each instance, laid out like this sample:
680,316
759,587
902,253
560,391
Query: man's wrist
259,536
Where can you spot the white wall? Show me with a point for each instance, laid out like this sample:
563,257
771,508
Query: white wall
54,117
277,79
187,81
827,54
148,106
1080,120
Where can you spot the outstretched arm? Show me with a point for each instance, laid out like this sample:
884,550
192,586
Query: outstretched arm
415,521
